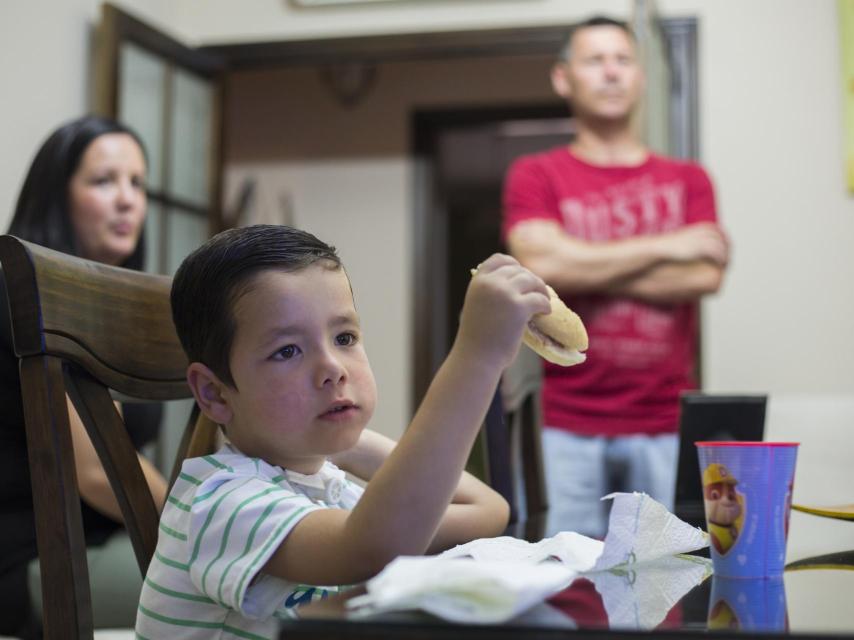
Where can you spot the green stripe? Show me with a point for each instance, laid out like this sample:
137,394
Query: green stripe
224,541
178,503
178,594
173,533
139,637
204,496
263,551
216,463
209,519
278,479
201,625
171,563
189,478
250,542
181,622
240,632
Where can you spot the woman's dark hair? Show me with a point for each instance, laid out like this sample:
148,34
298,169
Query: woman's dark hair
42,214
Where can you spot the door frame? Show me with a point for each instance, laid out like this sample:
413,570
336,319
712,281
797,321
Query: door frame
118,27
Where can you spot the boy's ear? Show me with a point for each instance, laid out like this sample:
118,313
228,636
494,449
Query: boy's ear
207,389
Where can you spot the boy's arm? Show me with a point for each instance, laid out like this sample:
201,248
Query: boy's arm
403,507
476,510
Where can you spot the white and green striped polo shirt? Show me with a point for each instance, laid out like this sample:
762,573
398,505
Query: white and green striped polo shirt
224,518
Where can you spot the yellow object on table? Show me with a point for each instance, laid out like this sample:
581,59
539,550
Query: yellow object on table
842,512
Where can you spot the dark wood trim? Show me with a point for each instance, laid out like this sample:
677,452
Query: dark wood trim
127,28
384,48
176,203
216,215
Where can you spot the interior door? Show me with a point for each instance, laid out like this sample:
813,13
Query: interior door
464,155
172,96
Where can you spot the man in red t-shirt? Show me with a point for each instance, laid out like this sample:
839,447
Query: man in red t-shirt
629,239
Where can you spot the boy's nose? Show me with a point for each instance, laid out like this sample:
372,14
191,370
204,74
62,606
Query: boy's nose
330,370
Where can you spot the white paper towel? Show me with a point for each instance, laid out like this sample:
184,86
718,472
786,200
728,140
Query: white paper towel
494,579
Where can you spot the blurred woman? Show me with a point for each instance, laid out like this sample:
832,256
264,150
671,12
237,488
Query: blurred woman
84,195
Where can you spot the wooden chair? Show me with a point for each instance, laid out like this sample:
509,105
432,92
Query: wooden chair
85,329
513,443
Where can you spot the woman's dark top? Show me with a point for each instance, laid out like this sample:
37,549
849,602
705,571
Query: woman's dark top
17,531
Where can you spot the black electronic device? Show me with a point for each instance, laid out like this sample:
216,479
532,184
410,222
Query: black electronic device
706,417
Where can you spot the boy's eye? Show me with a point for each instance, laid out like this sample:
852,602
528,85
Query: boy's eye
345,339
288,352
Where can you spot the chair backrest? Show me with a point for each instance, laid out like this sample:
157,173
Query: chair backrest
82,329
513,441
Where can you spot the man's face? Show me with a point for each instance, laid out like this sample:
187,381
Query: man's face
602,79
304,388
721,503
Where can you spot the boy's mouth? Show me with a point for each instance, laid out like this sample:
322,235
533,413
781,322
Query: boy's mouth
339,409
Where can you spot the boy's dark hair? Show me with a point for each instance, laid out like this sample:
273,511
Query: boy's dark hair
213,277
42,214
595,21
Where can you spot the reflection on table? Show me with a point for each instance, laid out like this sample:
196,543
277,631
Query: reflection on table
677,595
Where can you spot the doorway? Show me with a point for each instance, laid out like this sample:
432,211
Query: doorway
468,151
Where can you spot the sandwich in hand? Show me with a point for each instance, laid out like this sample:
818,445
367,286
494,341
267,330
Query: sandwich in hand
559,336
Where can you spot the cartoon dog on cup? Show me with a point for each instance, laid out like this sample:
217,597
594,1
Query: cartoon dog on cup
724,506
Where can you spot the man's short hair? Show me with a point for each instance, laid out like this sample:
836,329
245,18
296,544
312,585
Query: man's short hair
212,279
595,21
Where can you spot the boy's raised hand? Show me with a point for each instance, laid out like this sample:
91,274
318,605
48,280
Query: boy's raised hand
501,298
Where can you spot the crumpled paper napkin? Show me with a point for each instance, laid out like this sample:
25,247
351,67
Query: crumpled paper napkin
494,579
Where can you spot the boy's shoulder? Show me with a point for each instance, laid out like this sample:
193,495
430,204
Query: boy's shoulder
205,474
227,464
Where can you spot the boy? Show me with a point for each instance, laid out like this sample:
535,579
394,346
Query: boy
267,318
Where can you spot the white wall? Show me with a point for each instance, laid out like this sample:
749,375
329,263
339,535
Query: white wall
43,79
772,137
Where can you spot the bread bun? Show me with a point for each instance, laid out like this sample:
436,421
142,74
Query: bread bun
558,336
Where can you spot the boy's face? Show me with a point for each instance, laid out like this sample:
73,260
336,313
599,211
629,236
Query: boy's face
304,388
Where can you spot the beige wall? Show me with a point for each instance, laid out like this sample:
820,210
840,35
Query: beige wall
43,81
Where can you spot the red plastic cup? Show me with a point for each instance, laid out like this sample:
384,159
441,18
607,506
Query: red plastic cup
747,494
